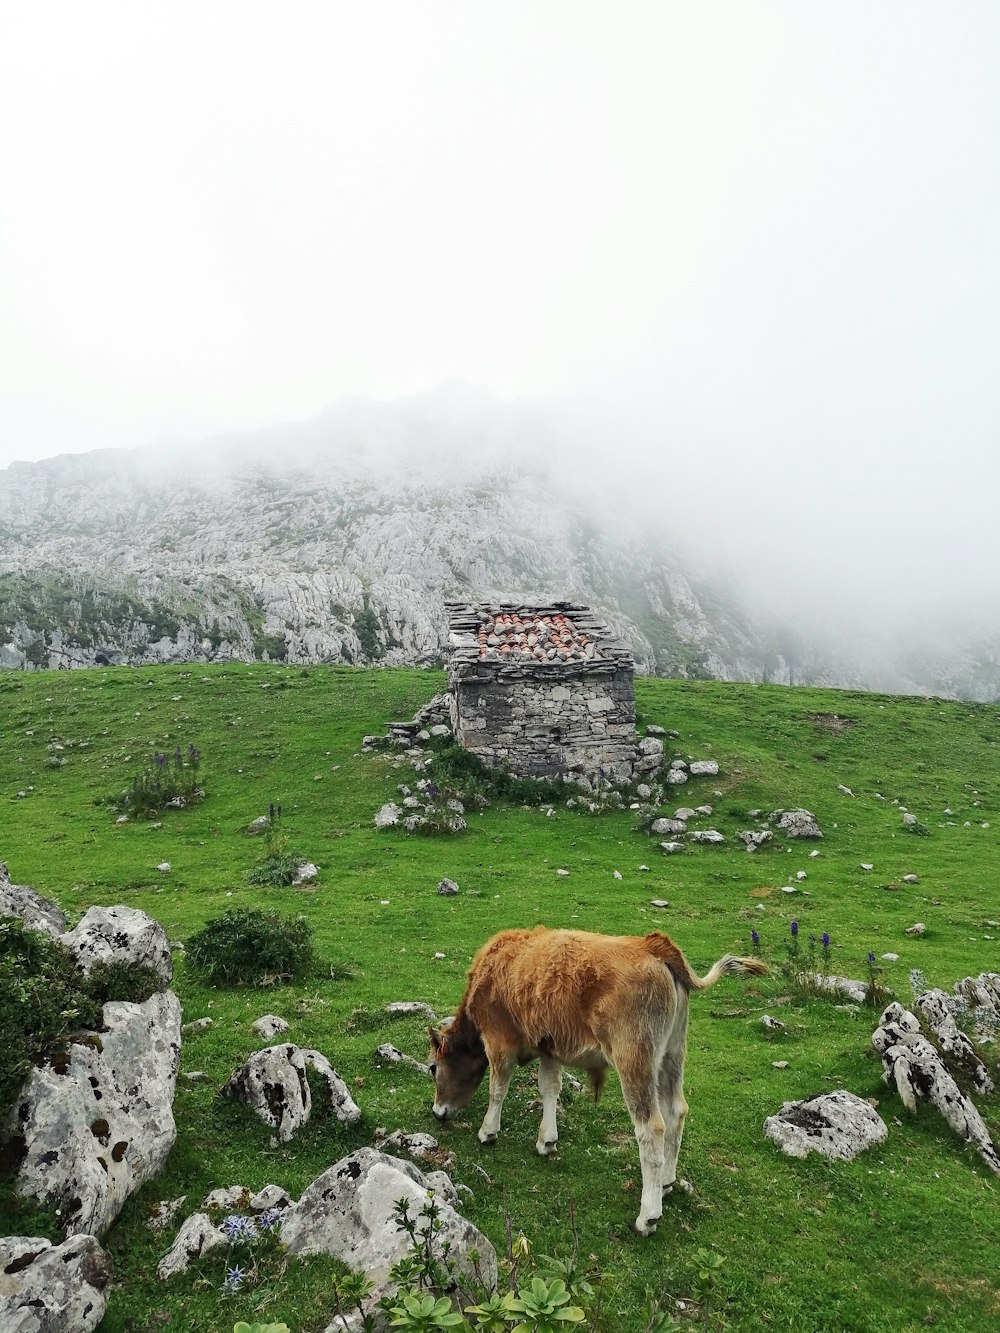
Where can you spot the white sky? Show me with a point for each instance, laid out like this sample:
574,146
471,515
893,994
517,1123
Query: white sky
757,241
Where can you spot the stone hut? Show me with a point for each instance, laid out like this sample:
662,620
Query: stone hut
544,691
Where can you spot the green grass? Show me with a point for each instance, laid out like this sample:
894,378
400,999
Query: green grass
908,1232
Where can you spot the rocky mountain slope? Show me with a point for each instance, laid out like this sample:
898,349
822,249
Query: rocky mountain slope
340,540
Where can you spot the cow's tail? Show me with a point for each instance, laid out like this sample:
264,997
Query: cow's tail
663,947
728,965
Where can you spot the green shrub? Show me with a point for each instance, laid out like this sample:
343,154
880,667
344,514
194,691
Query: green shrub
167,780
460,768
122,980
44,999
248,945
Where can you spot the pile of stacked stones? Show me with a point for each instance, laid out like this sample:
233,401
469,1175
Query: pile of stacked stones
552,638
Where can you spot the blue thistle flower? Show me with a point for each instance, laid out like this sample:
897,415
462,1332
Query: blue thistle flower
270,1220
239,1228
234,1278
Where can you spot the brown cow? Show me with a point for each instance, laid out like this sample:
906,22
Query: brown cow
591,1001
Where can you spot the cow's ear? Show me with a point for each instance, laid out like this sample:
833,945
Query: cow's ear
436,1037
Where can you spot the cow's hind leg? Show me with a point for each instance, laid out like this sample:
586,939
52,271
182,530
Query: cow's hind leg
549,1084
501,1072
673,1108
638,1081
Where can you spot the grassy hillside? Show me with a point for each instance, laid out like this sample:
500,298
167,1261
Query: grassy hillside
904,1236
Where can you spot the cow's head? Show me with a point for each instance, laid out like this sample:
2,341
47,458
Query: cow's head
457,1062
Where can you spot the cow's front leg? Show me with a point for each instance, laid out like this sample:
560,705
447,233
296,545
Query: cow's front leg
549,1084
501,1072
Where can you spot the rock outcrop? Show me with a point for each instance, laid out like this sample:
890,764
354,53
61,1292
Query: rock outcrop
95,1133
349,1212
273,1083
914,1067
46,1288
34,910
121,934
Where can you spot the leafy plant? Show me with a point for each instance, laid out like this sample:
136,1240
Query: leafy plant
122,979
248,945
279,866
166,781
544,1307
44,998
706,1266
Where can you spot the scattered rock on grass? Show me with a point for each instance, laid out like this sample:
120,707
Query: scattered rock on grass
447,888
273,1083
269,1026
198,1235
396,1057
797,823
30,907
834,1124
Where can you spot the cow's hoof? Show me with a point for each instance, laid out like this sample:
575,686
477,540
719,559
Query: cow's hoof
646,1228
487,1139
546,1147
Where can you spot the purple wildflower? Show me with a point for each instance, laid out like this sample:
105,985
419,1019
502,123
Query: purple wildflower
871,956
234,1278
238,1228
826,939
795,930
270,811
754,937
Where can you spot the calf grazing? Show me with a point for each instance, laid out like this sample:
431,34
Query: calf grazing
591,1001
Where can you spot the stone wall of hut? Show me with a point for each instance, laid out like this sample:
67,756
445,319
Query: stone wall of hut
568,713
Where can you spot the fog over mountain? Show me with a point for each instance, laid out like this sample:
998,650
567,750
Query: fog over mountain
726,275
341,538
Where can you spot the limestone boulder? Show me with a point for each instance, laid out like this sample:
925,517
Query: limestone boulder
834,1124
982,997
704,768
198,1235
30,907
349,1212
914,1067
659,827
95,1133
274,1084
269,1026
46,1288
795,823
938,1010
121,934
754,838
